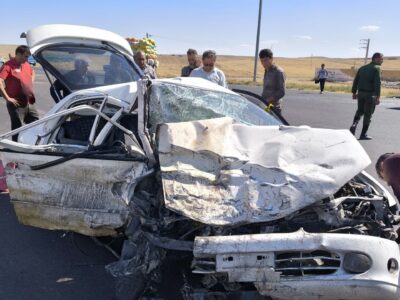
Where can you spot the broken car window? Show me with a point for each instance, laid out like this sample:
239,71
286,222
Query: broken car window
177,103
83,67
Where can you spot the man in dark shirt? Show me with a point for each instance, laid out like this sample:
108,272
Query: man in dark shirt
388,168
194,62
16,87
274,81
368,85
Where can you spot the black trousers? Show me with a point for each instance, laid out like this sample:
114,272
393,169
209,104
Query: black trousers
20,115
322,84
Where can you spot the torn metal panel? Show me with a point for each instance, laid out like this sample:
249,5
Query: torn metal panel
221,173
303,265
89,196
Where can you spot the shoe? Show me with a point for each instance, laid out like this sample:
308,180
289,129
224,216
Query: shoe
320,92
353,129
365,137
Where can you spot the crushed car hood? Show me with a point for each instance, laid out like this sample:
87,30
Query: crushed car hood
219,172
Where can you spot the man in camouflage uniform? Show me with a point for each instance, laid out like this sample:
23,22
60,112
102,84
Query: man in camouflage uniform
367,90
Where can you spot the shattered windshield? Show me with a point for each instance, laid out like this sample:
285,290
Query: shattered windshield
86,67
170,103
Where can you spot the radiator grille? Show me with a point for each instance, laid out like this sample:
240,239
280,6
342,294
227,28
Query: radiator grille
307,263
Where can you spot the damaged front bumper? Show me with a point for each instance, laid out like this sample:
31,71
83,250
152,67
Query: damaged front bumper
303,265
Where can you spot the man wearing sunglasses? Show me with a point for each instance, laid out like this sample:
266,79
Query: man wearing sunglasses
274,81
208,70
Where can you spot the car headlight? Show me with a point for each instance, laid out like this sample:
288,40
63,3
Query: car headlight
356,262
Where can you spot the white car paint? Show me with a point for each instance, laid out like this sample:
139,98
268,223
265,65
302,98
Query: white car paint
46,35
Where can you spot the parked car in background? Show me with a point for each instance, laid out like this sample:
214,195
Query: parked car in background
2,61
195,176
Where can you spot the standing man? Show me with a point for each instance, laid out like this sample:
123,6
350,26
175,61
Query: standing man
388,168
16,87
209,71
322,76
274,81
194,62
368,84
140,60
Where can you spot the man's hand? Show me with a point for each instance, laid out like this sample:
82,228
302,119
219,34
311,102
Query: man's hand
270,100
354,96
13,101
377,101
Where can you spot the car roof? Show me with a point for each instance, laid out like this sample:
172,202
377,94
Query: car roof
46,35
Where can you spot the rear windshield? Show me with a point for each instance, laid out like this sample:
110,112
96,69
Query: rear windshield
85,67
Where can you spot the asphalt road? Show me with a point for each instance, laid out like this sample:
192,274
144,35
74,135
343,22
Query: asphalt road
42,264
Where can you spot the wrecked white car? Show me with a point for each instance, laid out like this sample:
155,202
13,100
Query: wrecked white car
198,178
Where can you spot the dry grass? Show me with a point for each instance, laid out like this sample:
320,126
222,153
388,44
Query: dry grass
241,67
6,49
299,71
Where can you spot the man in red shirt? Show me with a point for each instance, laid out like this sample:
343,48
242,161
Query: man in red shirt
16,87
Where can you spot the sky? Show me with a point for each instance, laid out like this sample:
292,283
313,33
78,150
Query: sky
291,28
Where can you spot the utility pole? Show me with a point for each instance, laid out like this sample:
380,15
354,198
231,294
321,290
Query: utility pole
258,41
365,45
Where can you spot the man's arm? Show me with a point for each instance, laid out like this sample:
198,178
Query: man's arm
355,85
377,84
279,91
3,91
222,80
153,71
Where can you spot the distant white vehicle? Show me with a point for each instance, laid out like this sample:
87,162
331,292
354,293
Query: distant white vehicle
192,174
2,61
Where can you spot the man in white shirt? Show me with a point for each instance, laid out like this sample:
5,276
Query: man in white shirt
208,70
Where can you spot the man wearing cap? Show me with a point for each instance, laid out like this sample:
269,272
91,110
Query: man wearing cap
16,87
